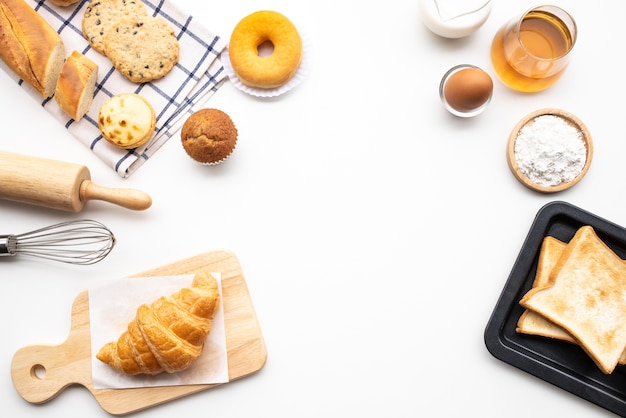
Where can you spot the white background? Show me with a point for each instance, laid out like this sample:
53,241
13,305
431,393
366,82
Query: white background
375,230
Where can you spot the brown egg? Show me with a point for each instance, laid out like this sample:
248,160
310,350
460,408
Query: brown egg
467,89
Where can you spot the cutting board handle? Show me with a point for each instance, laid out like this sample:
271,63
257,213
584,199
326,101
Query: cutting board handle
55,367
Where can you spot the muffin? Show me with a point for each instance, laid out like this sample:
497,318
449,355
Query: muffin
127,120
209,136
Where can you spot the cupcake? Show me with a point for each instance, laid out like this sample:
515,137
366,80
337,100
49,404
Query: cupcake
209,136
127,120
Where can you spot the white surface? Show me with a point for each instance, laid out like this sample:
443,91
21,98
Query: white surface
375,230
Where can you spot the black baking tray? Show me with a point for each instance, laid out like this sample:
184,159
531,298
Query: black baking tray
563,364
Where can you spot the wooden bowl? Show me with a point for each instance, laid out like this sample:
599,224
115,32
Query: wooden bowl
528,119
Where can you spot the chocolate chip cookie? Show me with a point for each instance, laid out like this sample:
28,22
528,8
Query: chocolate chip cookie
142,49
101,15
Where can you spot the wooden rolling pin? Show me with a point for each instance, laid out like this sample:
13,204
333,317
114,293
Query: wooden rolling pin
59,185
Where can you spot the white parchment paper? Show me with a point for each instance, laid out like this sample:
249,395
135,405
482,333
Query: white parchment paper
113,305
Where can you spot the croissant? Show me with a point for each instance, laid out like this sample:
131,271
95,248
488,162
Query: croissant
169,334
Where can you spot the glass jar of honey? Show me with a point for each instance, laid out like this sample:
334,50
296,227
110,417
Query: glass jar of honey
530,53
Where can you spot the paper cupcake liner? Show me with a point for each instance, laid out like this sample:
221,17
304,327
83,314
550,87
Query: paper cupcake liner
214,162
223,159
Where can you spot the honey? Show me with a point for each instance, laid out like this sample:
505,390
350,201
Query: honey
531,55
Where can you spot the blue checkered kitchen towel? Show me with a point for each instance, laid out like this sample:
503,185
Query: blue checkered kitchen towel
197,76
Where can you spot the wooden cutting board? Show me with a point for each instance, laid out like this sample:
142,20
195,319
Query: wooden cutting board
41,372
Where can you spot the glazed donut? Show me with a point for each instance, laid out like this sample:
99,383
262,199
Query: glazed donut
271,71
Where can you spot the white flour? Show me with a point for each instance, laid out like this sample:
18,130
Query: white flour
550,151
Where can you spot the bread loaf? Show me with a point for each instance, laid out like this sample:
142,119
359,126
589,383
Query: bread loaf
76,85
30,46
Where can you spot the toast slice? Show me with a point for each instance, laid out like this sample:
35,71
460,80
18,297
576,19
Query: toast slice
587,298
531,322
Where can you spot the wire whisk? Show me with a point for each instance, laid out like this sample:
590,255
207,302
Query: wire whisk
74,242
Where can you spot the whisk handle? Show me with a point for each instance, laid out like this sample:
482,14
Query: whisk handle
128,198
8,245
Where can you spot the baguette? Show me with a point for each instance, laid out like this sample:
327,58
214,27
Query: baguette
76,85
30,46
